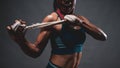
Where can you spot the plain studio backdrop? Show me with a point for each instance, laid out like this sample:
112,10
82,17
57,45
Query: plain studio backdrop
96,54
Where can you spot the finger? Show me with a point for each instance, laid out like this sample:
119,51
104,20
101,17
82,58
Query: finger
84,18
81,17
22,21
70,18
8,28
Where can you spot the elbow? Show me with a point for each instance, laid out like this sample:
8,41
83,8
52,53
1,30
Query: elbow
33,54
36,52
102,37
105,38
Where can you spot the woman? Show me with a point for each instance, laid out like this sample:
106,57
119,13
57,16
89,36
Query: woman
67,39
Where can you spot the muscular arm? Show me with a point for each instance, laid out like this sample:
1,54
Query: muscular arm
93,30
33,49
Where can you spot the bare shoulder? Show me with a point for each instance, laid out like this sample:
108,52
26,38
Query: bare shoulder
51,17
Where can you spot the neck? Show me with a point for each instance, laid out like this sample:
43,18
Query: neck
60,13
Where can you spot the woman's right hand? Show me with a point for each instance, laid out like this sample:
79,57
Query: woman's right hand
16,31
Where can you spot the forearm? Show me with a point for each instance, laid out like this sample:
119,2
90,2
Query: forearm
94,31
34,49
18,35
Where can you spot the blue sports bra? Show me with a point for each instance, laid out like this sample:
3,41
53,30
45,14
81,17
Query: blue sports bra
68,40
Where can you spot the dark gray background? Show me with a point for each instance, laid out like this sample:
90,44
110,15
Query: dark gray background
96,54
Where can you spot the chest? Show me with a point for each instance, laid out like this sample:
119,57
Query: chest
65,33
59,27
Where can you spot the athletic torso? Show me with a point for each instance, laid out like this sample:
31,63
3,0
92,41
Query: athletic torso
66,45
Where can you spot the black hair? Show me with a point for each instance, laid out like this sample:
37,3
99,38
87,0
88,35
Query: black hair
55,5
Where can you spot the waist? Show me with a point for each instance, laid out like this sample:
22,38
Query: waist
67,50
65,61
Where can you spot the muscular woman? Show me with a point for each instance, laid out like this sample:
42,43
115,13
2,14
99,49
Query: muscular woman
66,38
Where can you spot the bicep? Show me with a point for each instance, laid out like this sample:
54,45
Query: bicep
44,33
43,36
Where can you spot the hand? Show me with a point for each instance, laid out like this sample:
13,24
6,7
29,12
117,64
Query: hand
72,18
16,31
74,21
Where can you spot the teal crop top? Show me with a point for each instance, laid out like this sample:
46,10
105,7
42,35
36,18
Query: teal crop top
68,40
